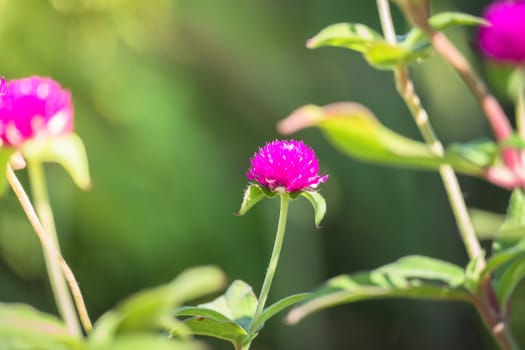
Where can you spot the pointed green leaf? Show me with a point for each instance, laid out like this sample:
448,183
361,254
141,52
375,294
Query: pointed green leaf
502,257
486,224
23,327
279,306
415,277
383,55
444,20
319,204
354,130
66,150
353,36
252,195
511,276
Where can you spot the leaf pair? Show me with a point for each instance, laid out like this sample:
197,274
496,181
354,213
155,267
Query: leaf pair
383,55
230,316
255,193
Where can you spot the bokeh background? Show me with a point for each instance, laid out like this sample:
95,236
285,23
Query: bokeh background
172,97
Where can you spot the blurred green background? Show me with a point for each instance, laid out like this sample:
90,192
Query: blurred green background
173,97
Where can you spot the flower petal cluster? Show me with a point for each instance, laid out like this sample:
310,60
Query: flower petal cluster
287,165
504,38
33,106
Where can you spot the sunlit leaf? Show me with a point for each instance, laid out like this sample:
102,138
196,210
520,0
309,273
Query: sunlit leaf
354,130
66,150
414,277
279,306
252,195
319,204
353,36
23,327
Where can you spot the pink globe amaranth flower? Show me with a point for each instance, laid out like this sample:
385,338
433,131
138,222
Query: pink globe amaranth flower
504,38
31,107
287,165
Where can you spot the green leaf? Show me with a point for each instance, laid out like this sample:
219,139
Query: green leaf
279,306
511,276
480,153
5,155
148,341
486,224
415,277
66,150
514,224
319,204
213,324
352,36
228,317
383,55
502,257
147,310
444,20
252,195
23,327
354,130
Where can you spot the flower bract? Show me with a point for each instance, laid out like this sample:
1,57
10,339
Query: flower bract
33,106
285,165
504,38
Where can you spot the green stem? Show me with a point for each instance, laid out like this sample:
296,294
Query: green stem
58,283
406,90
520,104
272,265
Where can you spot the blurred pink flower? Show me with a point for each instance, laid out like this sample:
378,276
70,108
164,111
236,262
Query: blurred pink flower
504,38
285,165
33,106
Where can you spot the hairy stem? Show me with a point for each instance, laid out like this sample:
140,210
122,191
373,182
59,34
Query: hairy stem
272,265
406,90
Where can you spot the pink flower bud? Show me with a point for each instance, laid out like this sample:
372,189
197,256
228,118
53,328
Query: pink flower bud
31,107
285,165
504,38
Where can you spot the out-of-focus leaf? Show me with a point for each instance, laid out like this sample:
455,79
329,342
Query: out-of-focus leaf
481,153
354,130
512,274
486,224
279,306
146,310
514,224
66,150
5,154
148,341
319,204
228,317
23,327
415,277
355,36
502,257
444,20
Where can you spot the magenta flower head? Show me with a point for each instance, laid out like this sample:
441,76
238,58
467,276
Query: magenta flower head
33,106
504,38
285,165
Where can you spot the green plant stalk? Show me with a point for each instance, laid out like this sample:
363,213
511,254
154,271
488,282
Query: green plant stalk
61,293
272,265
486,302
520,104
406,90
